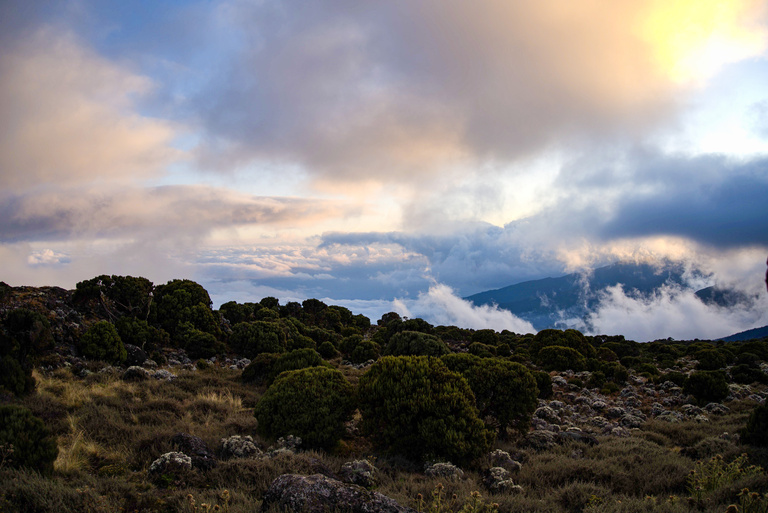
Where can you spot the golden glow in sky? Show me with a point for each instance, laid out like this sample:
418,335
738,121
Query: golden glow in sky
694,38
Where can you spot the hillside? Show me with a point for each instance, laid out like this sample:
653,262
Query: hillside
125,396
545,302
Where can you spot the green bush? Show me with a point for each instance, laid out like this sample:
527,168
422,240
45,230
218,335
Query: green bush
183,301
710,359
569,338
33,445
327,350
482,350
102,342
756,430
364,351
544,384
560,358
706,386
140,333
14,378
647,367
252,338
312,403
415,343
616,372
746,374
200,344
259,369
416,407
298,359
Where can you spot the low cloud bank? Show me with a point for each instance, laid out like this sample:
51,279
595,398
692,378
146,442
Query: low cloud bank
673,312
440,306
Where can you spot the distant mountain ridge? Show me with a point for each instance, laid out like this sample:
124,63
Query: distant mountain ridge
548,302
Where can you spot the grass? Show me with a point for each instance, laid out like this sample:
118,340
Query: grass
109,431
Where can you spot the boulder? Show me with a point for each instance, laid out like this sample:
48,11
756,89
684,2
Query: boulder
318,494
135,355
194,447
359,472
445,470
237,446
135,373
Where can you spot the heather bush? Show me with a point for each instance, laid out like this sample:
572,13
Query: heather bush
756,430
294,360
710,359
560,358
416,407
706,386
327,350
260,367
102,342
252,338
200,344
569,338
312,403
33,445
543,383
14,378
415,343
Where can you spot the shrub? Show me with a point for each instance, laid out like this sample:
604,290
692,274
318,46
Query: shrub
260,367
615,372
298,359
33,445
102,342
200,344
415,343
544,384
569,338
252,338
415,406
482,350
311,403
140,333
756,430
327,350
745,374
706,386
14,378
364,351
29,332
648,368
560,358
710,359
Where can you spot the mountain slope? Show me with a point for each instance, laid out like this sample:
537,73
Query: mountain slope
549,301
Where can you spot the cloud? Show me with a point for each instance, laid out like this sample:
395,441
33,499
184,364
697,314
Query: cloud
440,306
672,312
47,257
172,212
330,88
68,116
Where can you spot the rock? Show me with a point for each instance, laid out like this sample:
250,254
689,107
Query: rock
194,447
540,440
239,447
135,373
359,472
577,436
170,463
446,470
318,494
496,479
135,355
717,409
149,364
502,459
164,374
548,414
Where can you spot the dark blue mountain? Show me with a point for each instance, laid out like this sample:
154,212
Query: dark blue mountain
548,302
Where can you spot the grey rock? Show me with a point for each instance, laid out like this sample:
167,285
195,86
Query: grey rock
237,446
135,373
194,447
318,494
359,472
135,355
614,412
445,470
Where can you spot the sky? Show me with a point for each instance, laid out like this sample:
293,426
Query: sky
390,155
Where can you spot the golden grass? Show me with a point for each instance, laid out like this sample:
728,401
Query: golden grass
226,398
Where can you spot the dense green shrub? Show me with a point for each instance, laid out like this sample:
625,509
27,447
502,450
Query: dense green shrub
416,407
14,378
124,295
260,367
102,342
544,384
297,359
252,338
596,380
179,302
706,386
678,378
560,358
482,350
200,344
488,337
710,359
312,403
364,351
140,333
569,338
236,313
615,372
647,367
746,374
415,343
33,445
327,350
756,430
